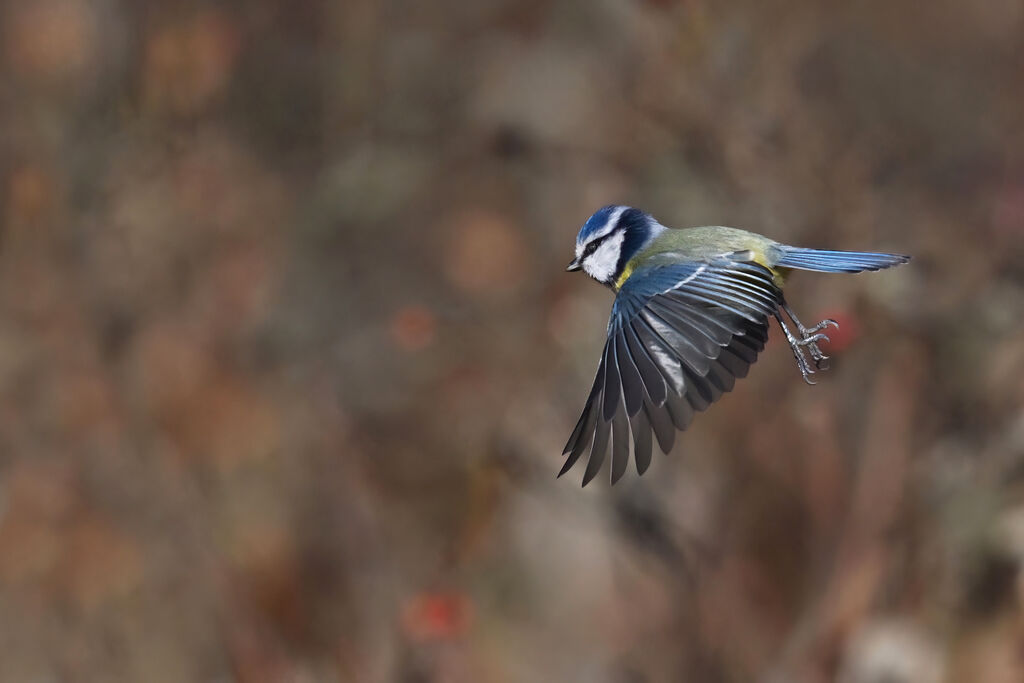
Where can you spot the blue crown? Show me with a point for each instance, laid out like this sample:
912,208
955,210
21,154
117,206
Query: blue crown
634,221
596,222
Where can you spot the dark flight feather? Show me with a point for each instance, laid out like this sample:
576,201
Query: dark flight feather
679,336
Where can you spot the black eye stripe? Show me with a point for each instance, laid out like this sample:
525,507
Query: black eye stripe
592,246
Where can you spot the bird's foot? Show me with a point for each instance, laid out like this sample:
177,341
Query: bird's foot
806,344
809,338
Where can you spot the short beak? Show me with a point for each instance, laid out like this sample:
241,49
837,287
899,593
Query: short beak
575,265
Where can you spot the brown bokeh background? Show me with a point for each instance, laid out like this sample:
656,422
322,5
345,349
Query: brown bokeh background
288,355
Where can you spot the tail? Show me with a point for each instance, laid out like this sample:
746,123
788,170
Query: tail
837,261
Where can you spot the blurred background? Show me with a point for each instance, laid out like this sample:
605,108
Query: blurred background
288,355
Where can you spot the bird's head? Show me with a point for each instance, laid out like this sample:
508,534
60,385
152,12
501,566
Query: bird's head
610,238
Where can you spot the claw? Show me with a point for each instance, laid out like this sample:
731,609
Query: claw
805,370
804,331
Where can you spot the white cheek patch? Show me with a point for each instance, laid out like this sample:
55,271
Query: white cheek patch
601,264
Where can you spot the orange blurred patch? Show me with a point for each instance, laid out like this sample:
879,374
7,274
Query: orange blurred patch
189,63
48,39
39,499
231,422
437,616
30,191
86,404
485,253
241,287
51,540
99,562
207,410
413,328
173,362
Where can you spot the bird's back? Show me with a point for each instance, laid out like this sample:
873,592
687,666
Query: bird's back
712,240
675,244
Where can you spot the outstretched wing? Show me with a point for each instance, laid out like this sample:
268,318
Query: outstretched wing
679,336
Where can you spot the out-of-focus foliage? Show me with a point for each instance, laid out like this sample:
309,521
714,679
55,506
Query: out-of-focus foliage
287,355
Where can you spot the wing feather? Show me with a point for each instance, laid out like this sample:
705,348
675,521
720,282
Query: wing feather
597,451
641,428
654,383
680,412
721,378
678,320
664,357
661,422
584,431
612,384
733,363
700,394
620,445
676,341
718,324
629,373
741,300
741,296
700,296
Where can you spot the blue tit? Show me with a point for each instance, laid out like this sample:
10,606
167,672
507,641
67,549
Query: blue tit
690,315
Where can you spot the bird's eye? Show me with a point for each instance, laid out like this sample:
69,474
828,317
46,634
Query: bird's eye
592,247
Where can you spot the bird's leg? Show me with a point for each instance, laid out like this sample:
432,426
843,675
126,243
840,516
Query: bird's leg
810,337
798,351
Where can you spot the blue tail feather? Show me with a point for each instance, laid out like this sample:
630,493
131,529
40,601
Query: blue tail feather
837,261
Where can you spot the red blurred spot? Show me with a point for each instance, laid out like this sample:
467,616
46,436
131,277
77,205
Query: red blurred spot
413,328
841,339
437,616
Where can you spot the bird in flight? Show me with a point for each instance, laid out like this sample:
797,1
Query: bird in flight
691,313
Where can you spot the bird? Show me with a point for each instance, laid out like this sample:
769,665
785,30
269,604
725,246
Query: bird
690,316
